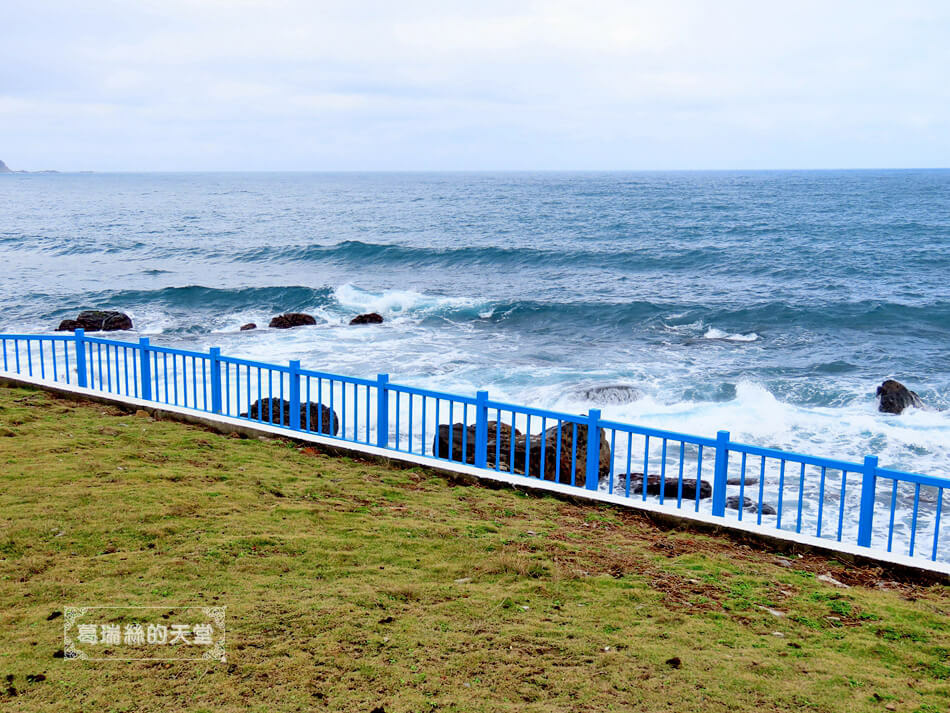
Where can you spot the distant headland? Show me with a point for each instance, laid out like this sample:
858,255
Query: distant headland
6,169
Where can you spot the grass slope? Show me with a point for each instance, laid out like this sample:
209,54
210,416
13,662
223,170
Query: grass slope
353,586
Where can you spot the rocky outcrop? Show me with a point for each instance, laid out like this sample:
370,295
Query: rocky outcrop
277,411
462,439
96,321
732,503
607,394
291,319
369,318
4,168
247,327
895,397
548,442
670,486
527,452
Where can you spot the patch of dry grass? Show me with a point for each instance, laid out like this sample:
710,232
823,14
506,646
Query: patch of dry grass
352,586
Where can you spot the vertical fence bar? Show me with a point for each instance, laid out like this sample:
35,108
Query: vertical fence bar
215,359
145,369
866,515
80,336
382,411
593,449
721,474
933,556
481,429
295,395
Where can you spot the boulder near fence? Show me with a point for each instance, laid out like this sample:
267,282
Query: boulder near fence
859,508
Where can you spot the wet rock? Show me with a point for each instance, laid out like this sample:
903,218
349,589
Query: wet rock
558,468
463,439
738,481
369,318
732,503
894,397
247,327
323,420
670,486
526,452
607,394
291,319
97,321
455,443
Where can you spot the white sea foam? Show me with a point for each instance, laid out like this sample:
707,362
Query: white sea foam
713,333
150,321
396,303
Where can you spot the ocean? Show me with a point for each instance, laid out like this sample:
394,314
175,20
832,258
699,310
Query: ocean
768,303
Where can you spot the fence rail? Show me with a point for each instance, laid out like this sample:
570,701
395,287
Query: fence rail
863,504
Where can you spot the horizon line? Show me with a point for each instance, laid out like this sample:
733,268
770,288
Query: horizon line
473,170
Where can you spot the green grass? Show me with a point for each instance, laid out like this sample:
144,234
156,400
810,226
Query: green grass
353,586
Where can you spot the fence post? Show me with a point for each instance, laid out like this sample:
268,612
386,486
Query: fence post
382,411
866,515
81,375
215,354
295,395
481,429
593,449
145,369
721,474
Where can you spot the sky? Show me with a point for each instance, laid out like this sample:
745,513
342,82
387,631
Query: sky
168,85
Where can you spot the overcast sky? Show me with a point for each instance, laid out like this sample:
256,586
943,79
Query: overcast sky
311,85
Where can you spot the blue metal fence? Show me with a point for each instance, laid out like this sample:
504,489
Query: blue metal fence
853,503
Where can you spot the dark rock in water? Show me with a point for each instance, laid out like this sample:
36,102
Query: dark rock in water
462,439
609,394
248,326
670,486
738,481
895,397
370,318
526,452
499,440
96,321
291,319
323,420
732,503
548,443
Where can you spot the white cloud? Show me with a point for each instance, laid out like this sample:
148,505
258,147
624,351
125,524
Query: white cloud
685,83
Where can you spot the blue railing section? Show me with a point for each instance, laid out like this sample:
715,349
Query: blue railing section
860,504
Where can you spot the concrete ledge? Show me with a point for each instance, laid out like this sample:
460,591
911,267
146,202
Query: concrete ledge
783,541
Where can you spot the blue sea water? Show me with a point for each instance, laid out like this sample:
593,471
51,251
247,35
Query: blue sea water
770,304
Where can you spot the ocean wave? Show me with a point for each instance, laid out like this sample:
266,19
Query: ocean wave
713,333
200,304
216,299
400,302
597,256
